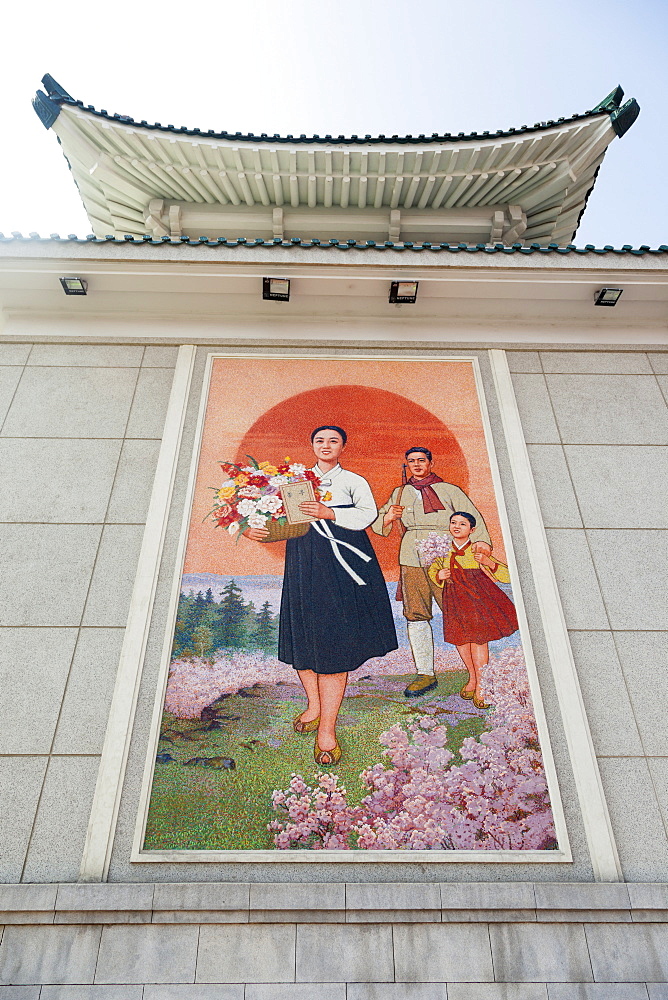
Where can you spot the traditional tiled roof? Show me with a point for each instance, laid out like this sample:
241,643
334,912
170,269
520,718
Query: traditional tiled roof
529,184
47,106
517,248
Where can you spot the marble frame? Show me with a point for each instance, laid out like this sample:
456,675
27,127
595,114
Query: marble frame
563,854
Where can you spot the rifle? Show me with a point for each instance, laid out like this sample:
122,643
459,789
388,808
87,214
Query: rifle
402,527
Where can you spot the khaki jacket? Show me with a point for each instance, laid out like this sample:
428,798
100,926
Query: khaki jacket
418,524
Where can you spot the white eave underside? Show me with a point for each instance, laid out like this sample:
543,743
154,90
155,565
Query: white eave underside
527,188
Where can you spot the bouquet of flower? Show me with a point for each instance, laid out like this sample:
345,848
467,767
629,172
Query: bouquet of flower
250,497
433,547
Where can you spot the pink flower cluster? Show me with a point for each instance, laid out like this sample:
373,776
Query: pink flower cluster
497,799
194,684
317,818
433,547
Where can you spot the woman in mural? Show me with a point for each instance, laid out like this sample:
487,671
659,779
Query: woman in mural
335,610
475,610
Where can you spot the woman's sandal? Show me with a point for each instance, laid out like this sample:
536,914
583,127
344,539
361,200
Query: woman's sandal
479,703
325,758
468,695
305,727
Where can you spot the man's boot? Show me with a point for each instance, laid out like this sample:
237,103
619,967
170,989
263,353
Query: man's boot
421,639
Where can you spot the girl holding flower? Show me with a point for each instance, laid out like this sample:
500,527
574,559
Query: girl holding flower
475,610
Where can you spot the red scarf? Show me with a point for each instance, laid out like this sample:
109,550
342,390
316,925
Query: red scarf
430,500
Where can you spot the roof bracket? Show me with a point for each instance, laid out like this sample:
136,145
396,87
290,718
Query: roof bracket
394,229
54,89
277,221
46,110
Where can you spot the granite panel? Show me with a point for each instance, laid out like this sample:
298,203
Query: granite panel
540,953
487,896
48,954
147,953
124,992
658,770
108,600
442,953
56,481
533,403
21,782
149,406
134,481
628,953
160,357
295,991
633,600
397,901
595,362
27,898
558,505
19,992
247,953
497,991
90,685
663,385
644,660
648,895
581,896
338,953
10,377
105,896
636,819
524,362
619,486
60,827
597,991
657,991
398,991
55,559
71,402
87,355
658,361
611,717
608,409
201,902
308,901
31,698
14,354
576,579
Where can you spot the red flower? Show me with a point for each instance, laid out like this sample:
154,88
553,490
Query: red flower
312,476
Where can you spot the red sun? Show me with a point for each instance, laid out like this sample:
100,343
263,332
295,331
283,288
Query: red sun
380,425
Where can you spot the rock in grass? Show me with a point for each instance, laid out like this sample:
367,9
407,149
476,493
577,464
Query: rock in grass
217,763
165,758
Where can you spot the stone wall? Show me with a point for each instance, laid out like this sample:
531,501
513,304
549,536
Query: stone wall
79,434
80,429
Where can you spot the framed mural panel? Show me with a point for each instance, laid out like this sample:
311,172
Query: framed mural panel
347,674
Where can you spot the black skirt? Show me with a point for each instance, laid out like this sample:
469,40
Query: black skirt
329,623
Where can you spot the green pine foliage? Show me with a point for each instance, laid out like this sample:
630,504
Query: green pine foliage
206,625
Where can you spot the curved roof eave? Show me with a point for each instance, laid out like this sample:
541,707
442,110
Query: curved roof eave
47,107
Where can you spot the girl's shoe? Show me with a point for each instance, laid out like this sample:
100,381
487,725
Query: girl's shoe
468,695
325,758
305,727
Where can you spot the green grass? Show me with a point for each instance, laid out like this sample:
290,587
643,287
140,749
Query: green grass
196,808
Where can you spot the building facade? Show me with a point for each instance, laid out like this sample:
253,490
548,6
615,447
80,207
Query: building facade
101,396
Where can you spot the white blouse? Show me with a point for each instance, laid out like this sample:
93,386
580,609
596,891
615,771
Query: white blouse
348,488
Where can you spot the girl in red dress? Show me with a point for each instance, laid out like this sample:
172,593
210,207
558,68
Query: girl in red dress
475,610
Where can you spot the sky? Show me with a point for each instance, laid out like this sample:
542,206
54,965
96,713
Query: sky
340,66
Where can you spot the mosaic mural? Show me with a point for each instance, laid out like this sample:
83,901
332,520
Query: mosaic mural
347,671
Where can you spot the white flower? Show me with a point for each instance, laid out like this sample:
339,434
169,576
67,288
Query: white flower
249,491
233,528
250,469
228,483
269,505
297,468
257,521
278,480
246,507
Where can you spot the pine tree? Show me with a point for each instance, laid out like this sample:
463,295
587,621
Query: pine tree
264,636
231,630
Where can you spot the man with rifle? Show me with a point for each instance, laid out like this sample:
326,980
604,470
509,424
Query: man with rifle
423,504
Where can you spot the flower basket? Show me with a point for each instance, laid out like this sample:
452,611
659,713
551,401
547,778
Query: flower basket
280,532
